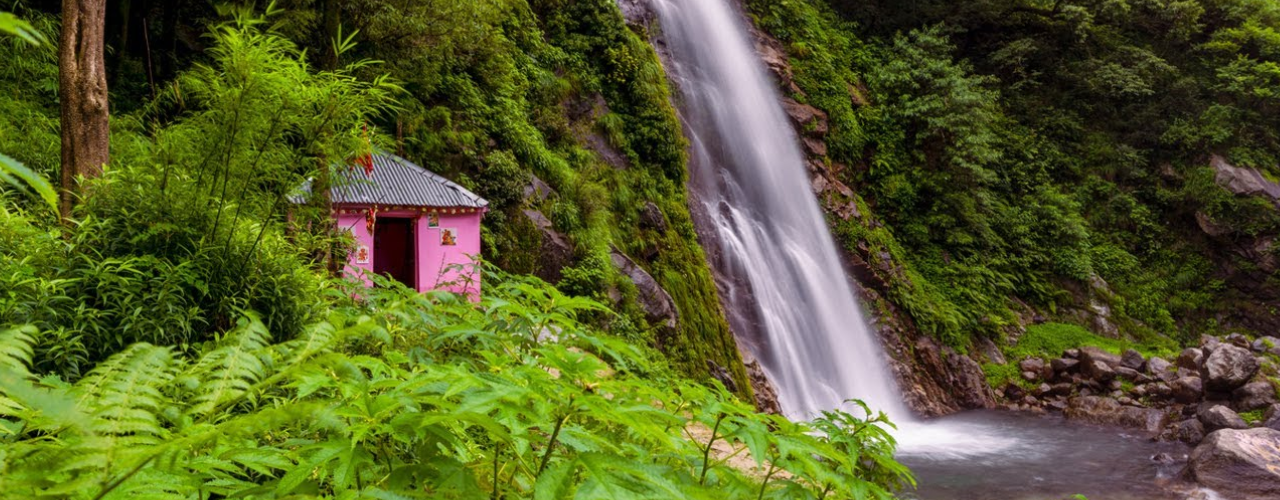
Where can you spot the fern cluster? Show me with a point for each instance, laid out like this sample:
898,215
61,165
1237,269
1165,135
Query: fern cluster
413,396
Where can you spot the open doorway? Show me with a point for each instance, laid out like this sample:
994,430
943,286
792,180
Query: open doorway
393,250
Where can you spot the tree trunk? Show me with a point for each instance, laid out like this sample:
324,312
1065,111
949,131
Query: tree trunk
82,92
332,22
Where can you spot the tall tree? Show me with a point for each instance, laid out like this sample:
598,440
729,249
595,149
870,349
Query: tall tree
82,91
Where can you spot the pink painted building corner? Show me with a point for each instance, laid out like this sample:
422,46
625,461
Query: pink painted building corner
410,225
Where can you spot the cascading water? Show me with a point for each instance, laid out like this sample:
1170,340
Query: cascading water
789,295
750,174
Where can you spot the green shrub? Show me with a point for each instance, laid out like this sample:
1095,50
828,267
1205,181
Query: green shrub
412,396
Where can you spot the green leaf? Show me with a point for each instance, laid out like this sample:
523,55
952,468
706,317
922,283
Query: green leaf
10,168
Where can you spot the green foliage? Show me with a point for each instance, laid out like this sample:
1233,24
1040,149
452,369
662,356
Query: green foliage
413,396
1049,340
183,233
1015,151
11,171
12,25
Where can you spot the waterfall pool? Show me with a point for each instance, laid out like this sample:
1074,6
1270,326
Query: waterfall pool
987,454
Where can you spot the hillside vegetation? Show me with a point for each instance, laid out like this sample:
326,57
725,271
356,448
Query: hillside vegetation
181,334
1019,158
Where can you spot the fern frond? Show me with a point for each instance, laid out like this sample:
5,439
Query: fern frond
17,345
227,373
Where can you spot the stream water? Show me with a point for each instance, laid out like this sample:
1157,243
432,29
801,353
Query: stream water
792,306
981,455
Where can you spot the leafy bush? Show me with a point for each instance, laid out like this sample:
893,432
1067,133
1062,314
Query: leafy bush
414,396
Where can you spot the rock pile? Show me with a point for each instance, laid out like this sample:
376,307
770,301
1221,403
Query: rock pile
1202,391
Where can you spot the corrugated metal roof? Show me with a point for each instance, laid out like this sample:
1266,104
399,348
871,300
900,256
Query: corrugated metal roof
395,181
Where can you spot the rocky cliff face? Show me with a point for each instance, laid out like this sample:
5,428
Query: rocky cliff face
934,379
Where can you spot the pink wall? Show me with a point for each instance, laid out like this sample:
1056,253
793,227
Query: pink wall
437,263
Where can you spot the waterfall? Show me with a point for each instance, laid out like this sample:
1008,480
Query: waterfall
748,171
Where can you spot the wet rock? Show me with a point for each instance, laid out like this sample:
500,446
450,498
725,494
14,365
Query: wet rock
1064,365
1014,392
986,347
1062,389
808,119
1242,181
651,218
1238,464
1099,370
1187,390
1190,358
968,383
1253,396
1090,354
1220,417
1227,368
722,375
1208,343
1271,419
1108,411
1159,368
1237,340
1265,344
1042,390
1189,431
766,394
555,251
1037,366
1132,375
537,189
657,304
1133,360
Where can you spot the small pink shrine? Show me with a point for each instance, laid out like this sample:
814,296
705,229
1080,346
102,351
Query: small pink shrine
409,224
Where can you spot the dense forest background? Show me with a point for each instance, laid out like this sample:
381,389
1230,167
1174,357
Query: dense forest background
176,328
1061,159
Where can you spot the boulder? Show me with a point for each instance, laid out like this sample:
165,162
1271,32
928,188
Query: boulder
1238,464
1242,180
1099,370
1208,343
555,252
1237,340
766,395
1061,389
988,349
1227,368
1036,366
1071,353
1132,375
1030,376
651,218
1159,390
657,304
1109,411
1271,419
1253,396
1265,344
1133,360
1189,431
1063,365
722,375
1014,392
1220,417
1042,390
1089,354
1190,358
1187,390
1159,368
